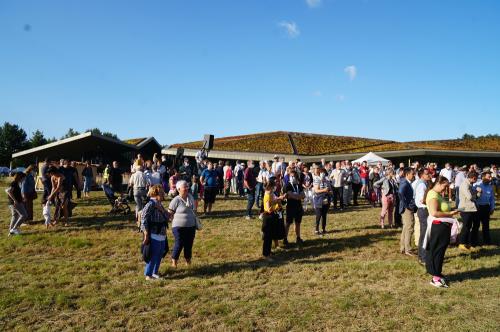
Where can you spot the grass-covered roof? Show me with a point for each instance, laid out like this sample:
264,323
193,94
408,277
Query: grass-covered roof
281,142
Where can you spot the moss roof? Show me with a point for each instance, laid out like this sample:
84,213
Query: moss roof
134,141
282,142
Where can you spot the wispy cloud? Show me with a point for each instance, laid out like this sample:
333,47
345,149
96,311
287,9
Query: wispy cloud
340,97
313,3
291,28
351,71
317,93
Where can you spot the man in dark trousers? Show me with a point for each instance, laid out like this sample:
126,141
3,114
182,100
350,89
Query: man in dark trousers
249,183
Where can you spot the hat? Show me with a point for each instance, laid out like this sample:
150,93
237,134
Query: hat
275,156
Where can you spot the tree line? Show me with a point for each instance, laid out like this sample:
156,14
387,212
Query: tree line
13,138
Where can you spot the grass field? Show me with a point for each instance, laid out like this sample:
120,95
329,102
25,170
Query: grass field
89,276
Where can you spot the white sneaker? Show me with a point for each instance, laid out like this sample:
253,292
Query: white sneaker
14,232
248,218
155,276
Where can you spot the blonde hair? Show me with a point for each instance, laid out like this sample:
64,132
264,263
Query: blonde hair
155,190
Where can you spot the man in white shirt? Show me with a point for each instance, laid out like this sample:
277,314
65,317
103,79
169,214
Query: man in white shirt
422,213
337,178
459,178
261,178
447,172
234,187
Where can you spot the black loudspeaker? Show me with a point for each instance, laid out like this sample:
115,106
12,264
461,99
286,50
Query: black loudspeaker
180,153
208,142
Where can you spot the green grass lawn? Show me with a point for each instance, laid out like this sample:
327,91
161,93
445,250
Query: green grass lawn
89,276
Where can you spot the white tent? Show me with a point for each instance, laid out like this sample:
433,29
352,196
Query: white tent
372,159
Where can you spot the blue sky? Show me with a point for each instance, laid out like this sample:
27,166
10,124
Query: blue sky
401,70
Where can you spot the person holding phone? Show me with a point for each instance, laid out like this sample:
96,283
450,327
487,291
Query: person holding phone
438,237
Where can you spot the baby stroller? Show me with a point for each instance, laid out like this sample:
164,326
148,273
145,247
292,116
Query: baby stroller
118,204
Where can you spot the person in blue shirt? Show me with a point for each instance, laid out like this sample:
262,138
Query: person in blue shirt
485,207
209,180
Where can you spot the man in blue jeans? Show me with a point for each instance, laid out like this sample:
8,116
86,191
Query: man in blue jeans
249,183
259,188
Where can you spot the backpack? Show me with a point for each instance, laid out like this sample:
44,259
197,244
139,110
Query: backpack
229,174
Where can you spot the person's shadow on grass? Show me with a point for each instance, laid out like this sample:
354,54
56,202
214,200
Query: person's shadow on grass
308,253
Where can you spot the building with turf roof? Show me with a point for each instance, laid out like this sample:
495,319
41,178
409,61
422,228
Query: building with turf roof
314,147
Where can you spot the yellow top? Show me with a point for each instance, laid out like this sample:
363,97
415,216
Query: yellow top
443,205
267,199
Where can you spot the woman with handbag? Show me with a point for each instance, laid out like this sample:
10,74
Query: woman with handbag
184,222
154,219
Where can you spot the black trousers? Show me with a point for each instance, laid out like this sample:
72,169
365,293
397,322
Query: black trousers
439,241
338,195
356,189
398,222
469,220
267,233
47,188
321,213
483,216
422,214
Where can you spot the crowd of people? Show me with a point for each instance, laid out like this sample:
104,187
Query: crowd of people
421,199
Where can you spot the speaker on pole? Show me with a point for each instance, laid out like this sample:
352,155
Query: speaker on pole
208,142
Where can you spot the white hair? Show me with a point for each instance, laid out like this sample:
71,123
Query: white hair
180,184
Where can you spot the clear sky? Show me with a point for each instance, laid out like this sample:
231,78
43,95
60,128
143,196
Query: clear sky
401,70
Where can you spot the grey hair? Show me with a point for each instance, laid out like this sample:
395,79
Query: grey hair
180,184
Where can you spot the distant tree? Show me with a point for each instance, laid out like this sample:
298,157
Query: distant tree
71,132
468,136
12,139
37,139
98,131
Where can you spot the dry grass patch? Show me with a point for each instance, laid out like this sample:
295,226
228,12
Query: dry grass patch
88,276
